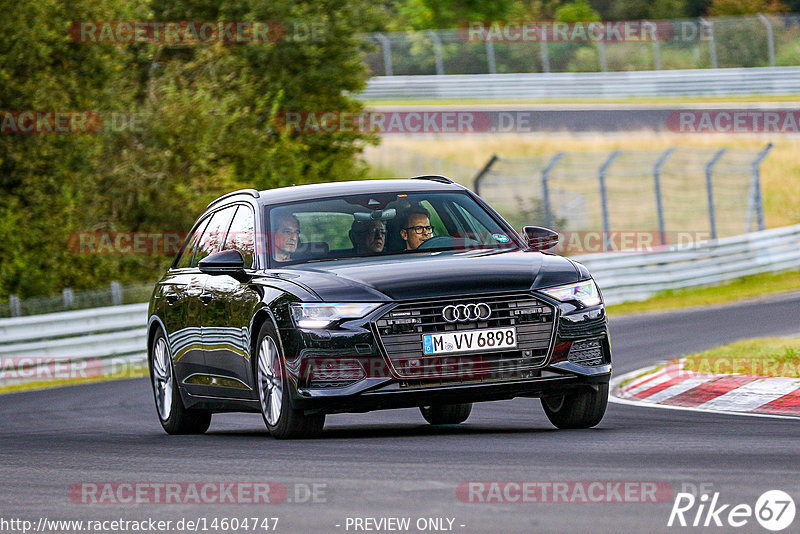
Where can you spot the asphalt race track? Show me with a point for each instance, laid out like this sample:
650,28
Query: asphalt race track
392,464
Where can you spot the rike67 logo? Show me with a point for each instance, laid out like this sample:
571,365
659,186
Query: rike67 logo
774,510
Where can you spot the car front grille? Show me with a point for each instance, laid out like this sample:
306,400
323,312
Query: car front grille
401,329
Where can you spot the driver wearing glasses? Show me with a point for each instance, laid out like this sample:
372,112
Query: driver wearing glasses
416,227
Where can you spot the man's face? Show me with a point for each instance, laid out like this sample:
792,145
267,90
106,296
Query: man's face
287,234
412,238
373,238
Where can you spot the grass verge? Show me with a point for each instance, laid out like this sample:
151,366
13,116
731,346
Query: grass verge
647,372
759,357
47,384
780,171
741,288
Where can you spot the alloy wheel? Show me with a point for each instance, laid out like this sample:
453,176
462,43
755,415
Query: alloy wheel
270,385
162,379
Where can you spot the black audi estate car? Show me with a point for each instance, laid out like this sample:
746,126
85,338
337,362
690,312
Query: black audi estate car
309,300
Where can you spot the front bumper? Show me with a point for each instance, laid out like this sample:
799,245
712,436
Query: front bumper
380,387
390,394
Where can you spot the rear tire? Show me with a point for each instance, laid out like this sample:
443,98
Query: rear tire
282,420
446,414
174,417
577,410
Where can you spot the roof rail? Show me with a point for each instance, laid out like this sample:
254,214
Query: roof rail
252,192
434,178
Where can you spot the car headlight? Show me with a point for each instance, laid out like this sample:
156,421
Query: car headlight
584,292
323,314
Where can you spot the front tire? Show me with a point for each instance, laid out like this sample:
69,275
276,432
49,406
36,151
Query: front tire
577,410
283,421
174,417
446,414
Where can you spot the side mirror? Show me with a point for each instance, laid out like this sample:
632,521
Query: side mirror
539,238
228,262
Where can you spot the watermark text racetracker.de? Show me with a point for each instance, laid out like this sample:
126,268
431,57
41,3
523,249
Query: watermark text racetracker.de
610,31
570,241
729,121
564,492
197,492
741,364
198,32
40,122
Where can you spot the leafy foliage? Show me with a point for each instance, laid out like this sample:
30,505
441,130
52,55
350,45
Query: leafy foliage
198,121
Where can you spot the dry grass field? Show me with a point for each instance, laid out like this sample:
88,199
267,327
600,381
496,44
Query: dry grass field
780,171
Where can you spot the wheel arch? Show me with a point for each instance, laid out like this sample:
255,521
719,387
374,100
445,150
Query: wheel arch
153,325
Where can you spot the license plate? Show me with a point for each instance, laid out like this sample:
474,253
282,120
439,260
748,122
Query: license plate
469,340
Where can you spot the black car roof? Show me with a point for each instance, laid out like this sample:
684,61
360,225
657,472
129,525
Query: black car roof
334,189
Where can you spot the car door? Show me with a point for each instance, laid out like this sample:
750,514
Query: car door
179,307
229,306
194,370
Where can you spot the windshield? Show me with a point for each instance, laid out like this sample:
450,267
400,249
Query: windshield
372,226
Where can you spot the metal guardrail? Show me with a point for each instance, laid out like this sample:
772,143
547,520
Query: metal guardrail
115,294
629,276
110,339
595,85
74,344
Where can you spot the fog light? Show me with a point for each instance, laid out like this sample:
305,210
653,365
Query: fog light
333,372
587,352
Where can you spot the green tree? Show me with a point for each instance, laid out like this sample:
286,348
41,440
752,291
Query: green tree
205,124
45,179
745,7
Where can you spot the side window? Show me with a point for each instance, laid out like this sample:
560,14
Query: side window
214,235
436,221
241,236
474,224
477,225
185,258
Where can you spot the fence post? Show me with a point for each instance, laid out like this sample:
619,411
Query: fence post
437,50
548,214
649,26
604,197
544,52
69,297
770,39
656,54
14,306
476,182
490,56
756,202
712,45
386,46
657,185
116,293
601,54
712,218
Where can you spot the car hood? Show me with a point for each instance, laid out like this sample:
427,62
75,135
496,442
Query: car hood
433,275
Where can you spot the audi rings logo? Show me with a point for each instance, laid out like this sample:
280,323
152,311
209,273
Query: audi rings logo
463,313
